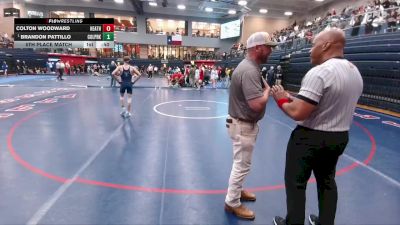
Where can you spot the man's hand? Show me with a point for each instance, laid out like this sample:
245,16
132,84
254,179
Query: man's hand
278,92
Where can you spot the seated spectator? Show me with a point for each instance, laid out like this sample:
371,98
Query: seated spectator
392,20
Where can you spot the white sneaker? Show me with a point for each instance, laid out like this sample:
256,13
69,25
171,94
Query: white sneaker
123,112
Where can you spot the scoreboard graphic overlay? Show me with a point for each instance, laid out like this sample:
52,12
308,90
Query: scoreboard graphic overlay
64,33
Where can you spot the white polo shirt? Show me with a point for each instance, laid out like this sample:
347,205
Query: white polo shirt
334,87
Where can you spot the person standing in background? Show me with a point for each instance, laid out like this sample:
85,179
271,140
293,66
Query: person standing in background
264,72
113,66
271,76
279,75
18,67
4,67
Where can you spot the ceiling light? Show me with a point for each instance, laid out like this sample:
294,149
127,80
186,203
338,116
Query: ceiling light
263,11
154,4
208,9
119,1
213,0
181,7
319,0
242,3
232,12
288,13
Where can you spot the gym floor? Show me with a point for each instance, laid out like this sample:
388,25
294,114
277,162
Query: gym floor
67,157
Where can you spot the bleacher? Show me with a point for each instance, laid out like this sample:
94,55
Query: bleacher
273,60
376,56
378,59
31,58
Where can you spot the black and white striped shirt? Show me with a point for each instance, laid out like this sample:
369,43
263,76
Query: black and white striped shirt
335,87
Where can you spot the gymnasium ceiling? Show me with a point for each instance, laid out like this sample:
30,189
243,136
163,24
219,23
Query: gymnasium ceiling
195,8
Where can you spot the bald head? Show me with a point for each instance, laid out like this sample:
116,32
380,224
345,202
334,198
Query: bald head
332,35
328,44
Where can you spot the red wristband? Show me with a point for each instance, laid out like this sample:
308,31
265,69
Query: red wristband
282,101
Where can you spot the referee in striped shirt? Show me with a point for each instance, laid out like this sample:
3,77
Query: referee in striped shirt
323,110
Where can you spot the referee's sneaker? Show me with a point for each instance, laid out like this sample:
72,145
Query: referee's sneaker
313,219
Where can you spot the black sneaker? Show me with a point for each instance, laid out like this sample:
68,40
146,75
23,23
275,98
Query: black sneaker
279,221
314,220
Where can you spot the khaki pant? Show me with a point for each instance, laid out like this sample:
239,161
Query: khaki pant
243,135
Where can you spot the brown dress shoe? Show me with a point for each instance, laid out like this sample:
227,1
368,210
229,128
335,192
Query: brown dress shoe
241,212
247,196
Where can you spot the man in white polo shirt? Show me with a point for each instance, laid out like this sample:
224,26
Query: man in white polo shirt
247,101
324,110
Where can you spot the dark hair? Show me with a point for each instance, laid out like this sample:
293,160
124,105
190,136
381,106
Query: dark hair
127,59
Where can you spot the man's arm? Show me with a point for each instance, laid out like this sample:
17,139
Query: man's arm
134,70
258,104
116,74
295,108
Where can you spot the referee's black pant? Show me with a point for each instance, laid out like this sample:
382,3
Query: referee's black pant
312,151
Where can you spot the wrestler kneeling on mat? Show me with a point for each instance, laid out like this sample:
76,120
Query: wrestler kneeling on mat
124,75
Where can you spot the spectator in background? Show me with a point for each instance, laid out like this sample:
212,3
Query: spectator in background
278,75
201,76
149,71
48,66
19,67
186,75
222,75
68,68
113,66
386,4
4,67
368,25
392,19
155,70
271,76
214,76
356,25
60,69
24,67
196,76
264,72
309,36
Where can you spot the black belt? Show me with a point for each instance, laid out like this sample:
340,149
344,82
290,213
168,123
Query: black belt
240,119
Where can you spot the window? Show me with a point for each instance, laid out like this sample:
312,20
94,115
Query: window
66,14
166,52
122,23
202,29
166,27
120,50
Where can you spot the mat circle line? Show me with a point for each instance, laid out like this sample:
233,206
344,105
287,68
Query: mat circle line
60,179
